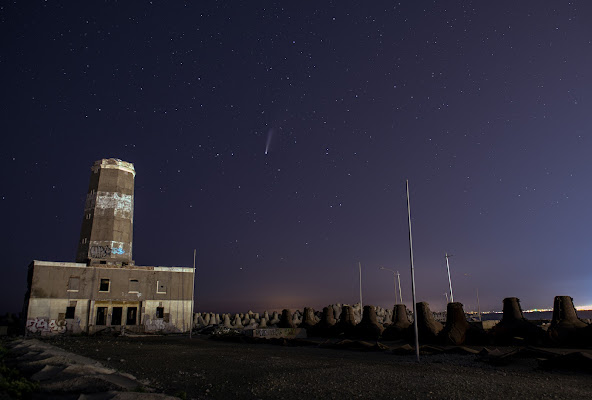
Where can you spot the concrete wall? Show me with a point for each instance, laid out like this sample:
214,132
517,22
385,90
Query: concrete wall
52,290
107,226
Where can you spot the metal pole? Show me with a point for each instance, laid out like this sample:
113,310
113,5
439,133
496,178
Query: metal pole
192,294
449,281
395,285
400,294
478,305
412,275
361,307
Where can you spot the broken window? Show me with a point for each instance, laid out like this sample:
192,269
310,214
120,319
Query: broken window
132,313
159,312
73,284
101,315
116,316
70,312
104,287
134,286
160,287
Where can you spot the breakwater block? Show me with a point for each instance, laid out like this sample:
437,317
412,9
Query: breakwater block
399,328
514,327
566,327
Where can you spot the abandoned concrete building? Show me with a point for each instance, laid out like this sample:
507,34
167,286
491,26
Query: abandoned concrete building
104,288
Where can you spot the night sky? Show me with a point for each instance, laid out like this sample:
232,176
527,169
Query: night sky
276,138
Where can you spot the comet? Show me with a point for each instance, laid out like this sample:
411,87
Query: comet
269,136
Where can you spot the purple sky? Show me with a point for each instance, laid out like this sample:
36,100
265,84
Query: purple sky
276,139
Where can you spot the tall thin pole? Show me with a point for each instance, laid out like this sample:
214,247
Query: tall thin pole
395,285
192,294
361,307
449,281
478,305
400,294
412,275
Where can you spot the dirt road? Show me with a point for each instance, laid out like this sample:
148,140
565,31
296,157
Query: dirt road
202,368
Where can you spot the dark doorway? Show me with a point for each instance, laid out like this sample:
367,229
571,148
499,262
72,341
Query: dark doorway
101,315
116,316
132,313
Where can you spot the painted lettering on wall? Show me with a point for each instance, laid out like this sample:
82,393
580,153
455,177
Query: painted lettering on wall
105,249
42,325
99,251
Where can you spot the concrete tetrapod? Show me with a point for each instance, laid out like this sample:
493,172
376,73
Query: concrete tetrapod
237,323
308,319
514,327
227,321
286,320
456,328
400,325
368,328
275,319
325,327
346,322
566,327
427,327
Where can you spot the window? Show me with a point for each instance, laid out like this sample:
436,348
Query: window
116,315
70,312
160,287
104,287
159,312
131,315
101,315
73,284
87,216
134,286
84,241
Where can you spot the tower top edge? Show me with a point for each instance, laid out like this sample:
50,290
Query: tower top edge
114,163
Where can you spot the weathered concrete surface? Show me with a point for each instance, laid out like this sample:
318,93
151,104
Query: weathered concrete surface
368,328
346,322
274,333
513,325
324,328
455,331
308,318
61,373
287,319
398,329
565,327
427,327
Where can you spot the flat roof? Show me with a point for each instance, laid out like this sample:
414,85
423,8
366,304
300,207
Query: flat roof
106,266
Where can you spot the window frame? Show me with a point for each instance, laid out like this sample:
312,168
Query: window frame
137,281
70,308
158,288
108,285
69,284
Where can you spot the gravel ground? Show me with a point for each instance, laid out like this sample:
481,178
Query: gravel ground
202,368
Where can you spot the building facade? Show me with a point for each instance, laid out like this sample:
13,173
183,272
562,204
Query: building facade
104,289
75,298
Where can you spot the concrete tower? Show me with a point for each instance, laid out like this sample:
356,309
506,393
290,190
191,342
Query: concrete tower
107,227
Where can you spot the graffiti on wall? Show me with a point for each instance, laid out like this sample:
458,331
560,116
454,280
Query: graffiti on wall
43,325
121,205
158,325
100,249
